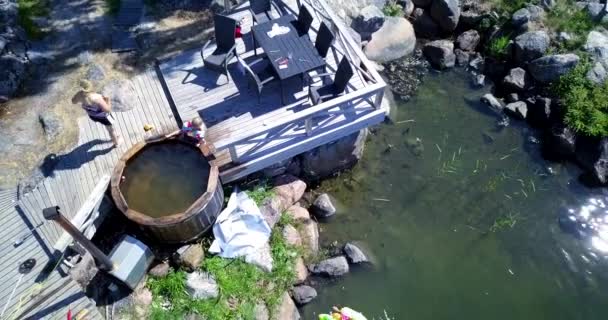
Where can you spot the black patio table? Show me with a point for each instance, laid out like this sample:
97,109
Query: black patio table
298,49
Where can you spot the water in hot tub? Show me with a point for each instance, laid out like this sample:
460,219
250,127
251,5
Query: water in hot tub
164,179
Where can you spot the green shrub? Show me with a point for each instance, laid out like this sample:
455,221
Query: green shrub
567,17
585,102
28,10
392,9
260,192
112,6
498,47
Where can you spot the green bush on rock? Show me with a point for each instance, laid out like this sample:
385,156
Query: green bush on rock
586,104
499,47
392,9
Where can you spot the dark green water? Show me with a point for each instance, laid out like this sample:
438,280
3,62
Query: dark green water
165,179
425,210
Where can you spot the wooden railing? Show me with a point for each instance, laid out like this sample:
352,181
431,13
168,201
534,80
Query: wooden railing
344,46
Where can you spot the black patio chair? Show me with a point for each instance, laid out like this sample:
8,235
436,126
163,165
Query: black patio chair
304,21
218,60
332,89
324,40
259,78
261,10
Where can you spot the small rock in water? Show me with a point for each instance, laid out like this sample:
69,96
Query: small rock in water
323,207
479,80
495,105
355,254
303,294
201,285
332,267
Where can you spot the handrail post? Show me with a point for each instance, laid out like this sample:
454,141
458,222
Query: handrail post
233,155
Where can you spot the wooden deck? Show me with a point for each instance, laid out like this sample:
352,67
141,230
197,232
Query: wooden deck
43,295
248,136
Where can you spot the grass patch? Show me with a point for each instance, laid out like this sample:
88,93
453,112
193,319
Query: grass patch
260,193
112,6
392,9
499,47
586,103
242,285
505,222
27,11
567,17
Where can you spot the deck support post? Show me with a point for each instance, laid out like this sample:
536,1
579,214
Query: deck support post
233,155
308,126
378,99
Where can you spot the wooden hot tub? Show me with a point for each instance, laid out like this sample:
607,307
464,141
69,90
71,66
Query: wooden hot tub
188,221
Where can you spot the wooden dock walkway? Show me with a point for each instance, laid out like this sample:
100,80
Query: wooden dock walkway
247,136
48,295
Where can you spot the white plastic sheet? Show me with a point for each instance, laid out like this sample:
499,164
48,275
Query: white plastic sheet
241,231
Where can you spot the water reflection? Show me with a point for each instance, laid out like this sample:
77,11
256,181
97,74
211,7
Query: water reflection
588,222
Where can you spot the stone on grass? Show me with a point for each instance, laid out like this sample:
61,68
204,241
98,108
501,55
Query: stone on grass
369,20
516,80
551,68
597,73
201,285
298,213
323,207
440,53
394,40
424,25
309,233
303,294
190,257
468,40
287,309
519,109
261,257
531,45
160,270
355,254
301,271
332,267
260,312
291,235
446,13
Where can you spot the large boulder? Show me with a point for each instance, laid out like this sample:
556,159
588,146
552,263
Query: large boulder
12,72
291,235
394,40
369,20
333,157
468,40
446,13
122,94
301,271
440,53
309,234
516,80
201,285
531,45
550,68
323,207
287,310
298,213
303,294
597,47
424,25
523,17
332,267
597,73
287,191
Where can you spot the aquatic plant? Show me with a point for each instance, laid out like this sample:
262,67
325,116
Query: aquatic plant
504,222
586,103
392,9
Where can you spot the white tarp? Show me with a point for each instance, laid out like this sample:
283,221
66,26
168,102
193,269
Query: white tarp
241,231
